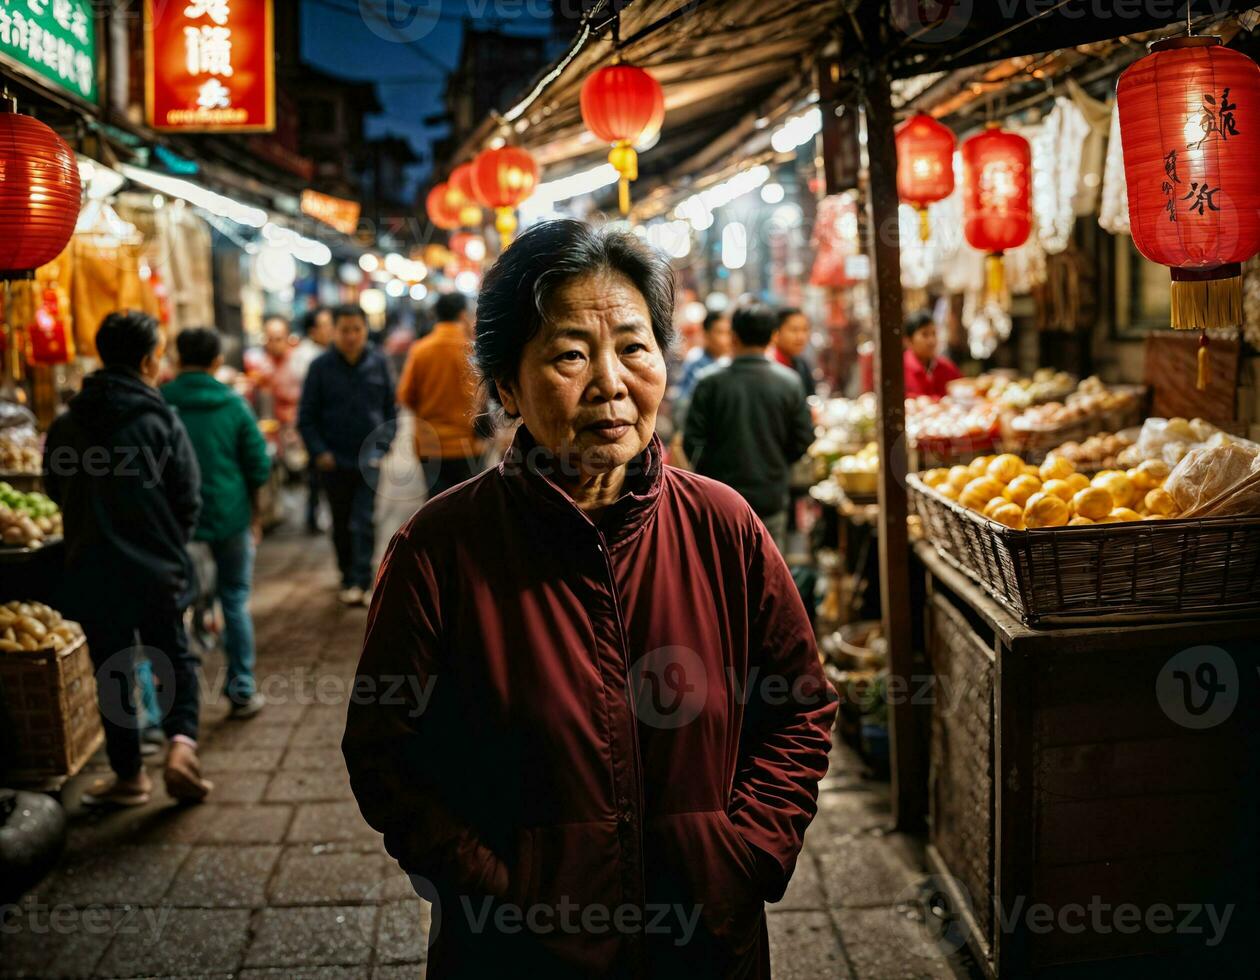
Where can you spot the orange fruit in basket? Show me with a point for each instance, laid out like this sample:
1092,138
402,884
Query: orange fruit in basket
1124,515
1021,488
1056,468
1006,467
1160,502
980,465
1118,485
979,492
959,477
1141,481
994,504
1046,510
1060,488
1030,470
1156,469
1077,481
1009,515
1092,502
1078,521
934,478
947,490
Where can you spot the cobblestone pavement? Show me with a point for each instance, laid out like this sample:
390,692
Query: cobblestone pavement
278,875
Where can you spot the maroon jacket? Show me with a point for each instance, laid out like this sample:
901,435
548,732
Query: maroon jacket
598,744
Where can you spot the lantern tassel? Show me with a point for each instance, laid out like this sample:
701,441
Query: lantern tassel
925,227
626,161
1201,382
1206,303
505,224
995,276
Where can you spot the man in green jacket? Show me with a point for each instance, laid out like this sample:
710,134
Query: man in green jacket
234,464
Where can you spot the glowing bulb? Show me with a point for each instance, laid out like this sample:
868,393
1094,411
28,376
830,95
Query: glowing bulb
772,193
369,262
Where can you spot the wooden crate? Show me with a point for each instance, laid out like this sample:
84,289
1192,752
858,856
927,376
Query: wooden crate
48,713
1087,788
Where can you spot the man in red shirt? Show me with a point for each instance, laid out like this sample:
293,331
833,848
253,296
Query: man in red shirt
927,373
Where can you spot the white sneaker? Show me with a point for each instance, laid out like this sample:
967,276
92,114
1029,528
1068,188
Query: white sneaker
352,596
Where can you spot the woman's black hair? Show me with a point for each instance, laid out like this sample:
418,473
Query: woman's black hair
126,337
519,287
915,322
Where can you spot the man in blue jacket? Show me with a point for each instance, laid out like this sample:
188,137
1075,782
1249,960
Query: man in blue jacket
121,466
347,420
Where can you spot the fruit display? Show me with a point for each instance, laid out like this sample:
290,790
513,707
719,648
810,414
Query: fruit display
858,473
1020,496
34,626
1090,400
929,423
1098,452
1010,392
848,424
19,450
27,520
1172,439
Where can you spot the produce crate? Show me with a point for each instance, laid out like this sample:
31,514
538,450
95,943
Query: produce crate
1067,576
48,712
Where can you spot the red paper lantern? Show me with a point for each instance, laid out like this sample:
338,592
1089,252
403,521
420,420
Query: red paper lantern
620,103
39,193
461,182
925,165
997,197
1191,149
502,178
442,207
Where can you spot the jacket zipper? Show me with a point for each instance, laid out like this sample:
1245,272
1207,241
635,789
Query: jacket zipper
637,762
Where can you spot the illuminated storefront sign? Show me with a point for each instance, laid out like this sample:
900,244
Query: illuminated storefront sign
53,41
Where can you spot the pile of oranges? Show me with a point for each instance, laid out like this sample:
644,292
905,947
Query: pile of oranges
1019,495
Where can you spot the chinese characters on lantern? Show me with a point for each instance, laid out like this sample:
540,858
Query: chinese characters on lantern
1215,120
211,65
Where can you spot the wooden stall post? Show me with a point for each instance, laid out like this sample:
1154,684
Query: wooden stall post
908,779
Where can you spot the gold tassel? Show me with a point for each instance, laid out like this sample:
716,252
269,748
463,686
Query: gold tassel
1206,305
995,277
925,227
626,161
1201,381
505,224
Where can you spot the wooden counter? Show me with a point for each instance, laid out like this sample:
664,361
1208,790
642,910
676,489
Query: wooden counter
1065,773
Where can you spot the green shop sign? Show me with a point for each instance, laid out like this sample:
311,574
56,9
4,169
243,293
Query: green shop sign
52,40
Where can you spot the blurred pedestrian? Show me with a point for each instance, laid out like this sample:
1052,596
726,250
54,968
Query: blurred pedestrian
232,456
437,385
927,371
715,348
120,465
748,422
347,419
789,344
527,765
318,328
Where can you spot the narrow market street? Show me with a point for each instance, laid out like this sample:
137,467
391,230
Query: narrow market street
278,875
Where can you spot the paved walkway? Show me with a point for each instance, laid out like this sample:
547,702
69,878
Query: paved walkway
278,876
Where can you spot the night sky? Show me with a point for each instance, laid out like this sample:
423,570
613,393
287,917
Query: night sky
409,58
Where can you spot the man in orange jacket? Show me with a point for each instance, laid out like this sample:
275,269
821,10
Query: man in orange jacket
437,384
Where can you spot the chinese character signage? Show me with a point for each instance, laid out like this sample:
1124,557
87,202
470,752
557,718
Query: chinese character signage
210,65
335,212
52,40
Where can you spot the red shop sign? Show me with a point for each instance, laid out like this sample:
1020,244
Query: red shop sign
210,65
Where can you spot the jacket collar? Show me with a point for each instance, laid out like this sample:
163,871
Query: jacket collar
525,466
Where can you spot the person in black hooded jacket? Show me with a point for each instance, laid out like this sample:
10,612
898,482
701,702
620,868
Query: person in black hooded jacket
120,465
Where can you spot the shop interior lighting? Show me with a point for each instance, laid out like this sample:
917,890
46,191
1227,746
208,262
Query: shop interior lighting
101,182
419,291
302,248
395,288
797,131
551,192
369,262
467,282
734,245
772,193
698,209
372,302
671,237
196,195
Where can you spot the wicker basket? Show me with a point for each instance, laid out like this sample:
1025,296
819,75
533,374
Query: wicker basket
48,712
1149,570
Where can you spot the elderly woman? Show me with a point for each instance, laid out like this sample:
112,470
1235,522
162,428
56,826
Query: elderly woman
590,718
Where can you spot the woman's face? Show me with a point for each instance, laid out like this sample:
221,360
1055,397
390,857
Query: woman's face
592,378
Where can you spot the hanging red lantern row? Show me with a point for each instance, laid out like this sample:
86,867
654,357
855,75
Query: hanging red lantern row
621,104
997,198
502,178
1190,151
39,193
442,207
470,208
925,165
